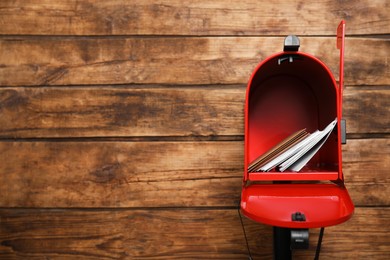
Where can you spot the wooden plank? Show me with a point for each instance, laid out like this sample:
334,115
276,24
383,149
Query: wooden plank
158,174
175,17
150,111
175,234
173,60
361,104
105,112
366,165
104,234
138,174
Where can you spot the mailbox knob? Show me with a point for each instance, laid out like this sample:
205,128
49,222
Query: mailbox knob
291,43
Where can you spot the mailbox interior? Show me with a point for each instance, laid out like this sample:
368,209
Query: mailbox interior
286,93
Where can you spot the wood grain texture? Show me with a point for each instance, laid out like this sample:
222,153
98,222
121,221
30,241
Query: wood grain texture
173,60
175,234
366,165
147,111
158,174
362,104
175,17
139,234
120,174
89,91
131,111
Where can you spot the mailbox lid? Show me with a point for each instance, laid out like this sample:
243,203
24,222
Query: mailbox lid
274,204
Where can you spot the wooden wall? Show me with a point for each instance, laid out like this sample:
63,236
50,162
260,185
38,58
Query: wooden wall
121,125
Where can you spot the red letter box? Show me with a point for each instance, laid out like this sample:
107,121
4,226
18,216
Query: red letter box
287,92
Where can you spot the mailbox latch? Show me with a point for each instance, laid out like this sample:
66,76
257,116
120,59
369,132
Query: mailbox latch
298,216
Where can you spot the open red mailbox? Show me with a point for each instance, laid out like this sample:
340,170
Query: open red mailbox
289,91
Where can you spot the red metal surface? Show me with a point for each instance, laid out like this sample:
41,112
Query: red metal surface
293,176
322,204
340,45
282,98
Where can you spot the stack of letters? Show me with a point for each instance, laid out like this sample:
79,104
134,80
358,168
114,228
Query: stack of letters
293,152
